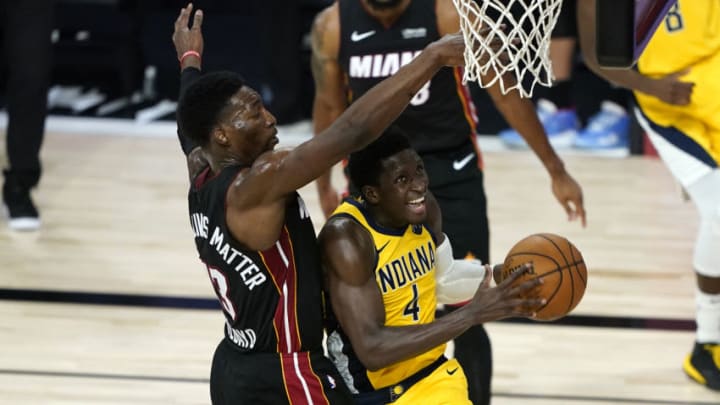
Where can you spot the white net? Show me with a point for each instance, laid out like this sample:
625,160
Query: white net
522,27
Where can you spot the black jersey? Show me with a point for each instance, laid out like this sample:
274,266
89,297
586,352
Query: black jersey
265,295
441,116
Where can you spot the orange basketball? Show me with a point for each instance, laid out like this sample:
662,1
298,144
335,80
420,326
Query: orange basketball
561,266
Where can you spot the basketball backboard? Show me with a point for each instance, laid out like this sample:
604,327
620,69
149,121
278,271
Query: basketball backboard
624,27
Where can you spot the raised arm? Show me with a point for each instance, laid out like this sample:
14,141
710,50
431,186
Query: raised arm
520,113
330,95
257,199
189,45
361,123
348,255
666,88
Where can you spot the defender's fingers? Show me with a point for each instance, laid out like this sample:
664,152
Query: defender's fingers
186,13
486,29
178,20
580,209
568,209
197,21
576,209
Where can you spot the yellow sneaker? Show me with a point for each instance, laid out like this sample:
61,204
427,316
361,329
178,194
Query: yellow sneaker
703,365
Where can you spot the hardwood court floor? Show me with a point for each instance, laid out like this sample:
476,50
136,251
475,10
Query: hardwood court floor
109,302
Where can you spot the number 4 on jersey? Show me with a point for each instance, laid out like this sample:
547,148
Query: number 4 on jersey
412,308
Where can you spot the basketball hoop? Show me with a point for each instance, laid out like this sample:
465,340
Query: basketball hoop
523,26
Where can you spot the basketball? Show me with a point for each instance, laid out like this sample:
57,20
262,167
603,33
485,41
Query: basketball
560,265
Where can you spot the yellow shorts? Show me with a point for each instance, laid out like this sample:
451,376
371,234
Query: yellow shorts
446,385
700,120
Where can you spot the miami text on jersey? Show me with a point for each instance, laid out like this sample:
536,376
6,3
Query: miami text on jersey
380,65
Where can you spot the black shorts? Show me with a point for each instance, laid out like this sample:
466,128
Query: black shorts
269,378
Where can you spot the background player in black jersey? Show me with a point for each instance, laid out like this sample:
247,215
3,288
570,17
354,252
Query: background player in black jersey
251,228
357,43
388,264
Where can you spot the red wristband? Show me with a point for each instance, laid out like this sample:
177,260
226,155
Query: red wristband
189,53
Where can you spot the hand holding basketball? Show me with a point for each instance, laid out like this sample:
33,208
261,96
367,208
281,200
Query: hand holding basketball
557,262
512,297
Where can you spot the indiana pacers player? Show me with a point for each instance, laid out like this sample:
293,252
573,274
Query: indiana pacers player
387,265
358,43
676,87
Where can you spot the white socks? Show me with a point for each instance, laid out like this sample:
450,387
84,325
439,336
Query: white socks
708,317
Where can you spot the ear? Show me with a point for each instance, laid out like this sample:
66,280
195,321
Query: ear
371,194
218,135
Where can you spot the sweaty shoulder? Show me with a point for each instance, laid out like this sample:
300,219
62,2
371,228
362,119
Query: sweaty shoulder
348,249
269,160
342,229
447,17
326,31
252,183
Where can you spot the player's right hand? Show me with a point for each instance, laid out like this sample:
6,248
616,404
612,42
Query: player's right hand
508,299
452,48
671,90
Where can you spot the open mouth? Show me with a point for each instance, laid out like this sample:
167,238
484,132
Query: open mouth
417,205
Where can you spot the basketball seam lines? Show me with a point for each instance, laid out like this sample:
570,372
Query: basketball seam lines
572,302
558,268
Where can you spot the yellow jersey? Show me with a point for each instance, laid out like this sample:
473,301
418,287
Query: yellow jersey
689,33
405,276
688,38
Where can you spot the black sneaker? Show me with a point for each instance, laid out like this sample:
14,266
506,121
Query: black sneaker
703,365
21,212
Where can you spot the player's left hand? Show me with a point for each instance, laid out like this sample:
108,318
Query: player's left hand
186,38
569,194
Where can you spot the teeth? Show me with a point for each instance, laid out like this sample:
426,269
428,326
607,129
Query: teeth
417,201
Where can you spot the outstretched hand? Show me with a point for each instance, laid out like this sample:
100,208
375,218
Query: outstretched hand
452,48
188,39
570,196
671,90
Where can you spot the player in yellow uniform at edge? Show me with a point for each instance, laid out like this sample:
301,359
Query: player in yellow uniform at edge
677,87
387,265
